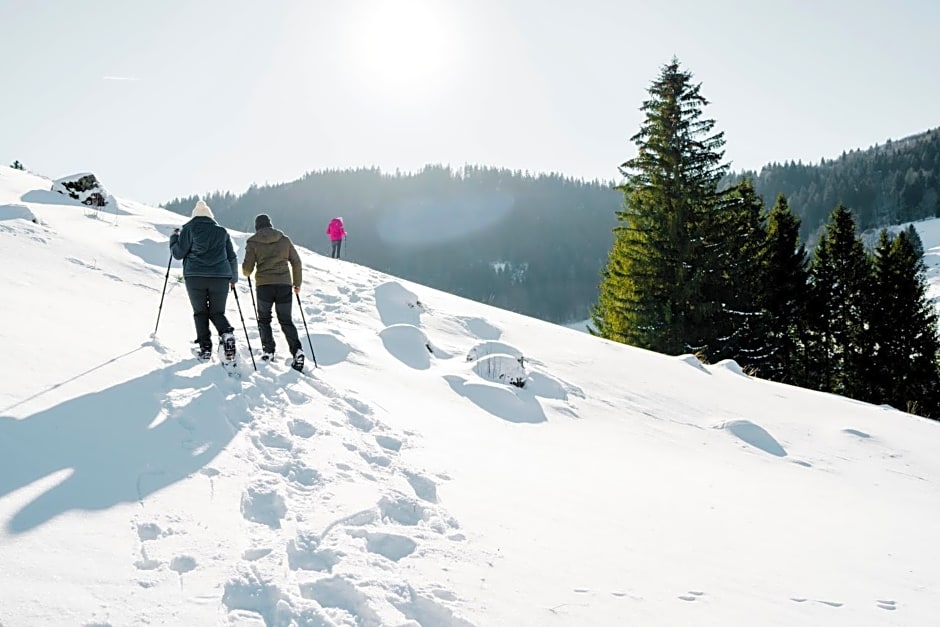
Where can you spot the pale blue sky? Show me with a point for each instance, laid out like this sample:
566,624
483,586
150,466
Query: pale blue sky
229,92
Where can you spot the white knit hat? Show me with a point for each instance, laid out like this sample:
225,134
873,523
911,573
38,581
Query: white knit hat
202,209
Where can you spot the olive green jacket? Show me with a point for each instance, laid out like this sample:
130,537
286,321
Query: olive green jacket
271,251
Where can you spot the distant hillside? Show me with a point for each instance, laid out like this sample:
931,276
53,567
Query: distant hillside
536,244
531,244
887,184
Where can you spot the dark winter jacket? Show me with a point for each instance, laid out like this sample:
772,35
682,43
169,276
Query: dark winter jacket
270,250
206,249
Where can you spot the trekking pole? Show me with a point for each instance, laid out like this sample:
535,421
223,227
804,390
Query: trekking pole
251,290
165,279
304,318
244,326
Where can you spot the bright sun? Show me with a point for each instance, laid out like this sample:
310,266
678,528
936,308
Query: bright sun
402,43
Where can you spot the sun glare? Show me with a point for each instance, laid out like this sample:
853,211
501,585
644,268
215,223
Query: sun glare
405,43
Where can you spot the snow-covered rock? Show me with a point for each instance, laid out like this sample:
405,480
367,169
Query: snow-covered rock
84,187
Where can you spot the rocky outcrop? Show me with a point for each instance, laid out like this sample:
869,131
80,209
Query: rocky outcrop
84,187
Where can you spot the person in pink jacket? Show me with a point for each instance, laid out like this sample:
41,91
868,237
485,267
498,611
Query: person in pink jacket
337,233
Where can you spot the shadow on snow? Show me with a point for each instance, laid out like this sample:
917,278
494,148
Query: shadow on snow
512,405
121,444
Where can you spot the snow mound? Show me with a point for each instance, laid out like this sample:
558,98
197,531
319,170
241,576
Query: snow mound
408,344
546,386
501,369
493,348
480,328
397,304
754,435
729,365
692,360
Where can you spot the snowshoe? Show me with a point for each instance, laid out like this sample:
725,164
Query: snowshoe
203,353
228,346
298,361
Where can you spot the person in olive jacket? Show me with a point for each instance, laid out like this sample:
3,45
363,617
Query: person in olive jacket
268,252
210,270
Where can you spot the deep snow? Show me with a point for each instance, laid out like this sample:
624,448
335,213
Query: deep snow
406,481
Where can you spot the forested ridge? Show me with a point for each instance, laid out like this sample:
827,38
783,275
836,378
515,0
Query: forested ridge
891,183
529,243
536,243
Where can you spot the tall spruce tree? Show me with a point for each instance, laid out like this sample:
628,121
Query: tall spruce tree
903,370
784,275
654,289
735,244
840,307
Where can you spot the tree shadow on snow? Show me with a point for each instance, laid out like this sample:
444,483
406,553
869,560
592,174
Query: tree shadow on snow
121,444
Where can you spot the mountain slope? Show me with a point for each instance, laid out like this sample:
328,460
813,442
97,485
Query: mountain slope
399,484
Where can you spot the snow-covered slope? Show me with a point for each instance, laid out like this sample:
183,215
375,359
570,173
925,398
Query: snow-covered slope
402,483
929,231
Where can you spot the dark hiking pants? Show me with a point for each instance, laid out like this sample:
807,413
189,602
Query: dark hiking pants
337,244
208,296
280,298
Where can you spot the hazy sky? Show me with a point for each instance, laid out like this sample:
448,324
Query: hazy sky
164,98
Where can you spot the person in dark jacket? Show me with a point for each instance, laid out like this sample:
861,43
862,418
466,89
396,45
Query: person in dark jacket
210,270
269,252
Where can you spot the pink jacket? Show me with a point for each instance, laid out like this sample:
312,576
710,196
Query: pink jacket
335,230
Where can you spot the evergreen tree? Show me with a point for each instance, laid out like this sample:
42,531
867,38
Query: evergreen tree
785,280
16,165
735,243
904,370
609,317
840,280
653,292
914,237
